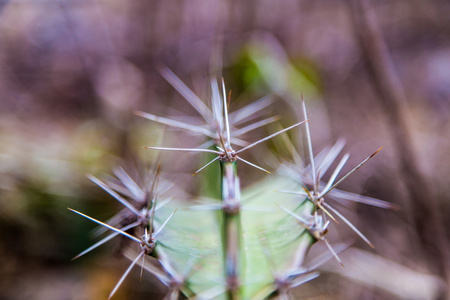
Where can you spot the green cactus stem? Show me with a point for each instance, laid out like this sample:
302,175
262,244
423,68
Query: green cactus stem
249,247
231,228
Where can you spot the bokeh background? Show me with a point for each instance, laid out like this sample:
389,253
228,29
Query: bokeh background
374,72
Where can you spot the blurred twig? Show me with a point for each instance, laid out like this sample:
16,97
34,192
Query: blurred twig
423,205
373,270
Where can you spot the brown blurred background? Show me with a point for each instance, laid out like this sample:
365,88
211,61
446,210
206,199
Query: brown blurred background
376,73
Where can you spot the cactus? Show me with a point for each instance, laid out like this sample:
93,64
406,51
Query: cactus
225,250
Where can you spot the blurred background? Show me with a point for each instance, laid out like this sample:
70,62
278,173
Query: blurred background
376,73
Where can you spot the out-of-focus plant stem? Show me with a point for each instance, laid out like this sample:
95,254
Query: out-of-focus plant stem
423,205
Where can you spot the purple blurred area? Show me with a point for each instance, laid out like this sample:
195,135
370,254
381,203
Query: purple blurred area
73,71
